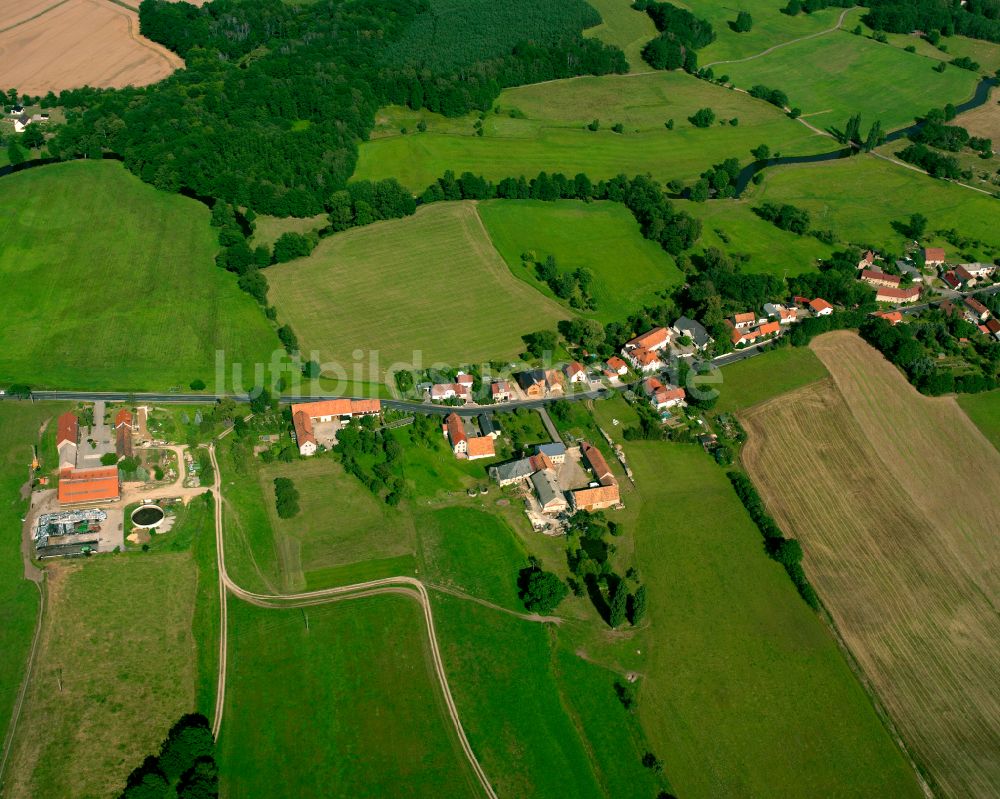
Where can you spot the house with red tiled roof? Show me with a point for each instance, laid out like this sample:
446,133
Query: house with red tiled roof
951,280
662,396
89,486
67,436
454,431
898,296
785,316
769,329
879,279
595,460
306,414
501,391
993,328
820,307
446,391
965,277
124,419
893,317
575,372
643,360
740,338
594,498
480,447
654,340
934,256
616,367
975,310
742,321
866,260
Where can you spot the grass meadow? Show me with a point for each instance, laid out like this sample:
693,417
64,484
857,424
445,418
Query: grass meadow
337,700
732,226
19,426
431,285
625,28
541,127
905,563
745,691
770,27
832,77
859,198
750,382
629,271
116,667
111,284
984,410
267,229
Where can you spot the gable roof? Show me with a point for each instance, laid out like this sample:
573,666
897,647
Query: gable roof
651,339
89,485
512,470
595,495
933,253
871,274
530,379
547,487
819,304
553,450
696,330
644,357
976,305
337,407
123,417
890,316
596,461
69,429
456,430
951,279
487,424
500,387
541,461
303,427
616,363
898,294
768,327
574,368
480,447
742,318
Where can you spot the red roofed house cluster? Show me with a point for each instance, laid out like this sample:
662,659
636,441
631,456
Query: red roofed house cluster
466,447
306,414
662,396
745,329
642,351
596,497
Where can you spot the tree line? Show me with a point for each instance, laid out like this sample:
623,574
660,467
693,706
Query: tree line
184,767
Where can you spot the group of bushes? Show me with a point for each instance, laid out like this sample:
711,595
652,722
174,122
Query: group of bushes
572,285
374,456
184,767
773,96
720,180
286,498
681,34
785,217
786,551
977,19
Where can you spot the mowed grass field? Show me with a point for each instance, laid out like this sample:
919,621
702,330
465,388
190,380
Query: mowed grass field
110,284
629,271
337,700
754,380
832,77
625,28
19,427
745,692
542,128
428,288
859,198
732,226
116,667
984,410
894,498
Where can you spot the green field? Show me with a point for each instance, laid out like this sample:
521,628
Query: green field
604,237
859,198
546,132
19,424
762,377
746,692
984,410
832,77
337,700
115,668
731,226
111,284
770,28
267,229
625,28
425,289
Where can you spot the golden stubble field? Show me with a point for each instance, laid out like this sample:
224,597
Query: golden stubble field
896,500
49,45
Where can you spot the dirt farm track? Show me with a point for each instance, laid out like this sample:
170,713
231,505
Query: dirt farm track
49,45
896,500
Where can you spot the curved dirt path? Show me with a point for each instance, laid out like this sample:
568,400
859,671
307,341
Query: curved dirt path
769,50
408,586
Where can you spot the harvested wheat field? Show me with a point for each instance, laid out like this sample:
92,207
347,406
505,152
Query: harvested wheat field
60,45
896,500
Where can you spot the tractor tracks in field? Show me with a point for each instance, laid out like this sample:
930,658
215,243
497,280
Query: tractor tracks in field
403,585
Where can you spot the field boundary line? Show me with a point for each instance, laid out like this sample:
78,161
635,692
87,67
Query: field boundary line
173,60
41,13
406,585
771,49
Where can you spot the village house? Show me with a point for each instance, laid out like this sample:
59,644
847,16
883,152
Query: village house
893,317
540,461
89,486
21,122
744,321
784,316
662,396
975,311
511,472
575,372
488,426
480,447
550,497
866,260
124,418
741,337
769,329
615,367
501,391
556,451
965,277
694,330
446,391
306,414
934,256
67,437
879,279
595,460
454,430
537,383
910,268
898,296
820,307
596,497
654,340
643,360
951,280
993,328
979,270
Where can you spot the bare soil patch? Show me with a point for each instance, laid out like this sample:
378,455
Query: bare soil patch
894,498
983,121
77,42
